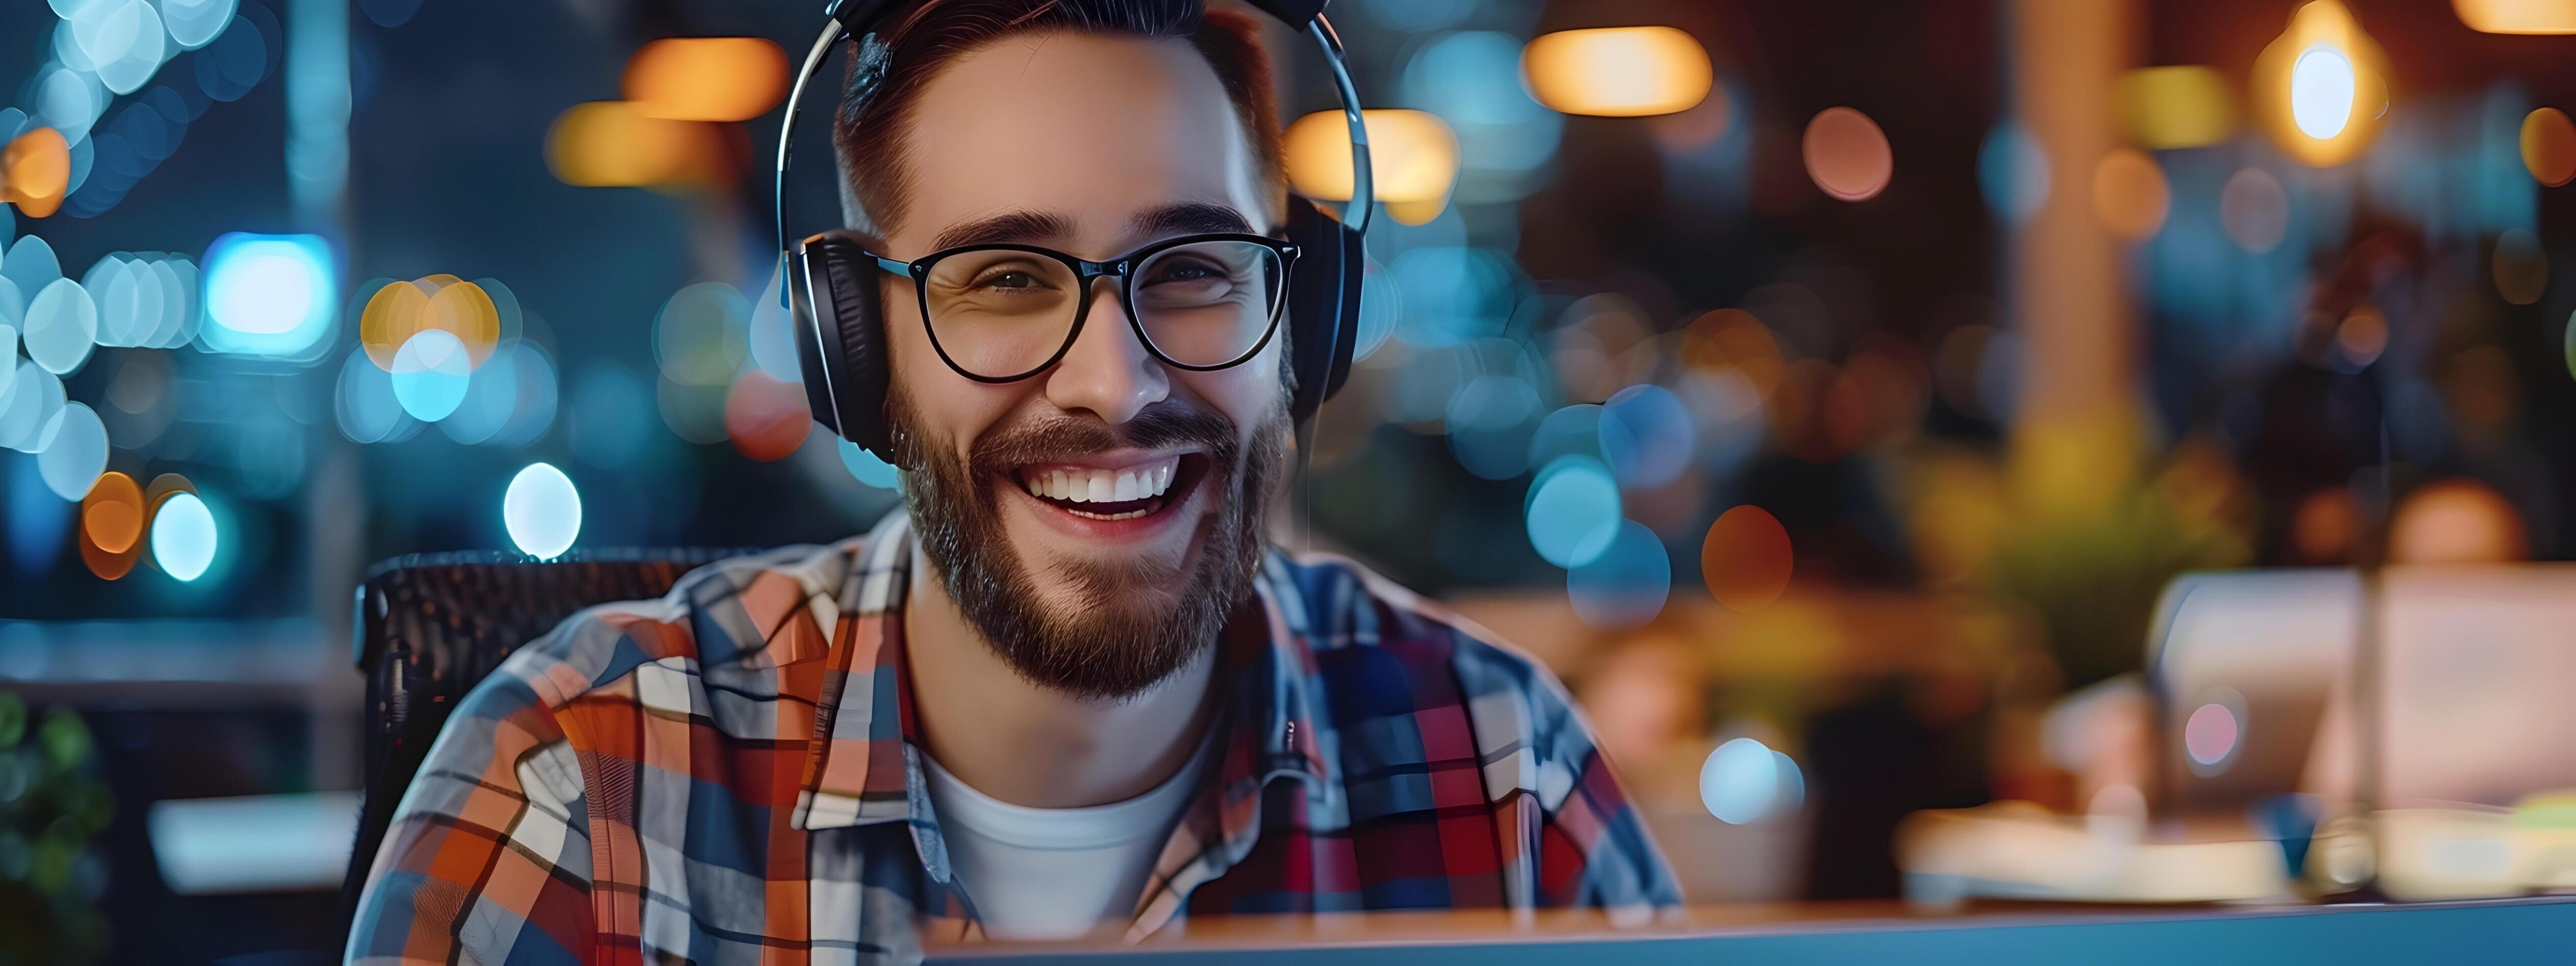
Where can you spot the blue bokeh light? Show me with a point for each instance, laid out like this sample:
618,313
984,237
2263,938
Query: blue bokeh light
1573,511
38,523
1745,781
184,536
1647,435
1489,425
431,374
1626,583
2012,172
542,511
270,295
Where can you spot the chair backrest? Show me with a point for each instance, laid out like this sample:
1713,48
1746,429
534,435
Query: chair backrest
431,626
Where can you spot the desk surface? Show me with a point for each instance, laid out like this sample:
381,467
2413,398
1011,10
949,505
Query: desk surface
2516,930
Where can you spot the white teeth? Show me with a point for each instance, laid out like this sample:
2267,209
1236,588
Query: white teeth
1103,486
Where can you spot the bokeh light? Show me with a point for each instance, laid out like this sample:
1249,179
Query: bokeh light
1573,511
2517,16
866,467
2254,210
2549,146
609,144
431,374
1646,434
60,327
2163,108
706,78
702,334
2321,87
270,295
2456,521
2209,735
183,536
365,403
34,397
29,266
112,520
2521,268
35,171
2321,91
1471,80
2129,194
1489,423
766,419
542,511
1744,781
1746,559
1413,160
196,23
2013,172
1626,584
1617,71
74,451
1847,155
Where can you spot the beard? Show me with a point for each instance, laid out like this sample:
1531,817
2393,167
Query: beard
1128,625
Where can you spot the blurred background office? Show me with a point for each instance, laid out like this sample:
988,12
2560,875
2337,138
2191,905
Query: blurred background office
1825,390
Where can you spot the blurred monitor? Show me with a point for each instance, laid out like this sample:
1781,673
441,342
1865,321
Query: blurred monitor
2253,670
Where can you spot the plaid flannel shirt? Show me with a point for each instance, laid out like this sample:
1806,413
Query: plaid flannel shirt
731,774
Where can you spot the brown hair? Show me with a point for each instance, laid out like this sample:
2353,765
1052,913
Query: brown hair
868,130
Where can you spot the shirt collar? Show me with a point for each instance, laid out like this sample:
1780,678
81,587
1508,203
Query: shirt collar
855,772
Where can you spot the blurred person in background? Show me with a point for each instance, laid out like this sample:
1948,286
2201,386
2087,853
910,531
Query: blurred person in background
1070,689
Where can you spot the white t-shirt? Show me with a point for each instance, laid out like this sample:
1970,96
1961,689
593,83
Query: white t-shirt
1054,873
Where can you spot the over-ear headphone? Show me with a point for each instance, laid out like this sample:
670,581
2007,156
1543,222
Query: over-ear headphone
830,284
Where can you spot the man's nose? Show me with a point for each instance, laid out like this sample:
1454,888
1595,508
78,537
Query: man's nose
1107,372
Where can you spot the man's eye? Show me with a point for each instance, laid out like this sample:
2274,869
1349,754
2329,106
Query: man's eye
1186,272
1008,280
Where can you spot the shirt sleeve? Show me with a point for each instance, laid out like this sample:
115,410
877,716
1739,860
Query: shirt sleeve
1586,845
488,857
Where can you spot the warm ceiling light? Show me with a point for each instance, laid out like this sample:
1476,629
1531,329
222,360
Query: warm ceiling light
1617,71
2321,87
2517,16
707,78
1413,159
604,144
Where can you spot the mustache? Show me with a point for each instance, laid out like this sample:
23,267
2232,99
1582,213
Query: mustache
1048,439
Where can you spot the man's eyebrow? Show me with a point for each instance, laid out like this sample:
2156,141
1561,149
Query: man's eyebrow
1189,218
1023,227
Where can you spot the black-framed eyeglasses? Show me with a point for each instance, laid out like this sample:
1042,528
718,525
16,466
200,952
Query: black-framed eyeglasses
1002,313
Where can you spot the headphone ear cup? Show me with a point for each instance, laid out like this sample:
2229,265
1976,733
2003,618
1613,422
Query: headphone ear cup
1323,304
840,338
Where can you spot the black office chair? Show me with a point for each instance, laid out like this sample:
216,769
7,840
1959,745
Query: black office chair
430,626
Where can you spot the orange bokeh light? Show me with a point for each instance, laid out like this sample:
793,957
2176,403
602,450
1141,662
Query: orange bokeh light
36,171
112,521
614,144
1746,558
706,78
766,419
1847,154
2130,195
2549,146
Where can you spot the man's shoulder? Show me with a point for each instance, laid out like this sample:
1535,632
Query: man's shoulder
725,611
1359,629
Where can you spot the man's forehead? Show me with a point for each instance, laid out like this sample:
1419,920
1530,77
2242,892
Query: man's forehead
1041,227
1101,134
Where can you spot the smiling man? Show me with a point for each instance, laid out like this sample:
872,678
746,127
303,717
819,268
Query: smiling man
1069,690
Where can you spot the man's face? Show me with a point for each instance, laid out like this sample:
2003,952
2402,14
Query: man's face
1093,146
